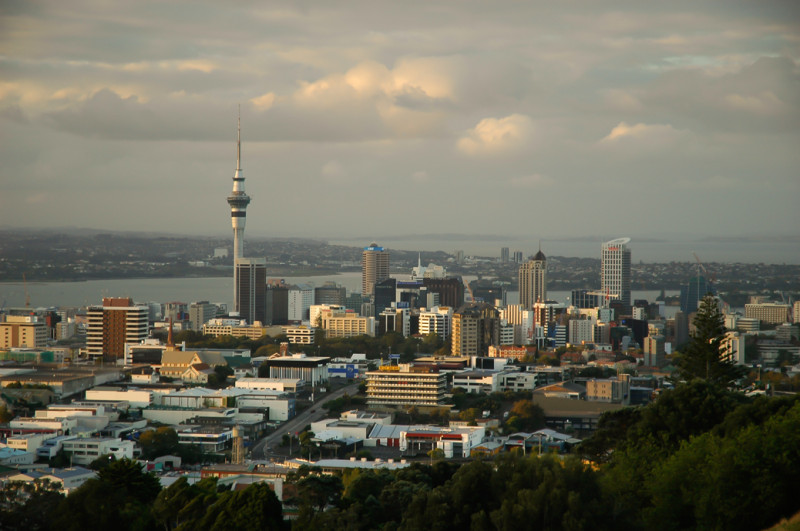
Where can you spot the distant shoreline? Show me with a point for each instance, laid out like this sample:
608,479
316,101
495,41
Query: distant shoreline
270,274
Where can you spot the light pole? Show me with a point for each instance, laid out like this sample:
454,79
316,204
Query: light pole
290,443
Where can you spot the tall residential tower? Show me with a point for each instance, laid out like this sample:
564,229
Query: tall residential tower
374,268
615,271
533,281
238,200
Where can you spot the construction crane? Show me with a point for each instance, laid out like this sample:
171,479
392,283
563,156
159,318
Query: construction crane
711,277
27,294
605,294
469,290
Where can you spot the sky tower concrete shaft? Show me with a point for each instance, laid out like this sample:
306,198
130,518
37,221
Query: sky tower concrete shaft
238,200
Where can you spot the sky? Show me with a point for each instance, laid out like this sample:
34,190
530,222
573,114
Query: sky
375,119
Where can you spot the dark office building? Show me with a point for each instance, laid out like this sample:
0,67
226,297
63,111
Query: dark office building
385,294
277,303
583,298
488,294
330,293
412,292
450,290
251,276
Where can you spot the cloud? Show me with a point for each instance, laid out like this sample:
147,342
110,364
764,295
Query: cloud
642,135
264,102
333,172
760,96
535,180
420,176
494,136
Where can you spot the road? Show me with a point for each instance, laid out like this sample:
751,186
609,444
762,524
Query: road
312,414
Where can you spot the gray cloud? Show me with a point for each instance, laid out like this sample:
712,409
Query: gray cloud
671,117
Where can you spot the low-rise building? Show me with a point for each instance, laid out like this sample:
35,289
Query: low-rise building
84,451
311,369
454,442
517,381
408,387
136,398
771,313
283,385
29,442
608,390
68,479
477,381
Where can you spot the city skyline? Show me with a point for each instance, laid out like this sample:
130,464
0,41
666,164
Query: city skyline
669,119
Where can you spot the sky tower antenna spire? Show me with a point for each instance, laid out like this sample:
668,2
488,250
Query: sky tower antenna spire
239,139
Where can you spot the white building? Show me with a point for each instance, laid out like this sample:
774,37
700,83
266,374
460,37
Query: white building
455,442
137,398
272,384
581,331
300,300
300,335
84,451
28,442
437,320
615,270
733,345
477,381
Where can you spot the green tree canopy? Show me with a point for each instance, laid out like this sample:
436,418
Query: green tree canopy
704,356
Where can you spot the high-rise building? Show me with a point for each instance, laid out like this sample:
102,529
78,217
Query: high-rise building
533,281
200,313
374,268
330,293
691,294
437,320
238,201
300,299
277,300
476,327
504,255
615,271
450,290
385,294
110,326
584,298
251,289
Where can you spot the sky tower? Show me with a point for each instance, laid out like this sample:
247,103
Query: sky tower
238,200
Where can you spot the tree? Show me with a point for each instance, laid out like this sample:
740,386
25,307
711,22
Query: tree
28,505
5,414
704,356
121,494
219,379
158,442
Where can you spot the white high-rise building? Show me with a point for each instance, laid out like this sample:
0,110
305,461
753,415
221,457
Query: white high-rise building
437,320
300,300
615,271
580,331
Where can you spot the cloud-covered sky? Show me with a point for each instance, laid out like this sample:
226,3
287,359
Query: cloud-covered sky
534,119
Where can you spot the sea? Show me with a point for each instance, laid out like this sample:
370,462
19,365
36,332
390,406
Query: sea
215,290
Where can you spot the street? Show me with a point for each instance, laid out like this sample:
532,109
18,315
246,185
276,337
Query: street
313,413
